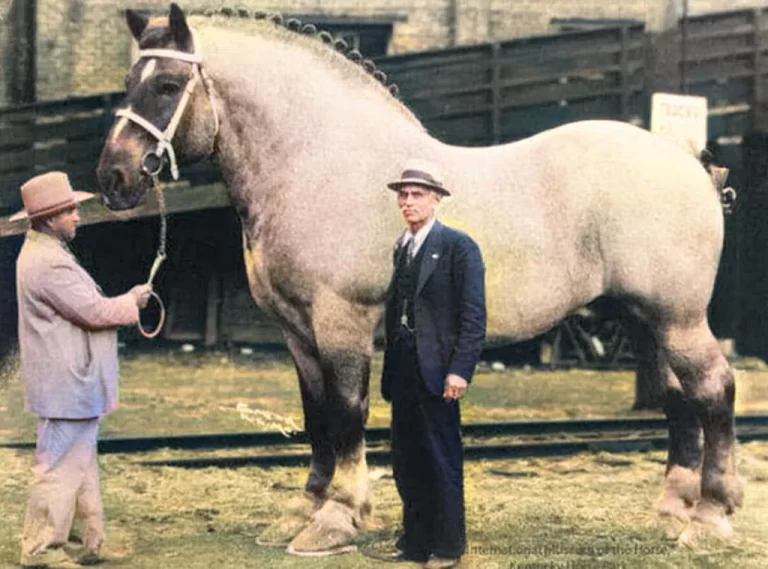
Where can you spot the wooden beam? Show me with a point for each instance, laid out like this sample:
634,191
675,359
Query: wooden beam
495,94
758,110
624,74
212,311
179,197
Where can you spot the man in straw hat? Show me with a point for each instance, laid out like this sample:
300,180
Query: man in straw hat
435,327
68,349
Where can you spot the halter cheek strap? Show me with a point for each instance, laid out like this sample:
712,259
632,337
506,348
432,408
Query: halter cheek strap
165,137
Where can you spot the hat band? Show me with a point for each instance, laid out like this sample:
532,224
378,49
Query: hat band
420,175
53,208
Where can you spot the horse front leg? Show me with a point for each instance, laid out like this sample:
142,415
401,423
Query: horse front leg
344,335
296,514
708,387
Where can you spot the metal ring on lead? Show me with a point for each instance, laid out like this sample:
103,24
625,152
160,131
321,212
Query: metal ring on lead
160,322
148,171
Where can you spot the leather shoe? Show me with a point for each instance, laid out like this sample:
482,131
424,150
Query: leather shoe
393,555
435,562
49,559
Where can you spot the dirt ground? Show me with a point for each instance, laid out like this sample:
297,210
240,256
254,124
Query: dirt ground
588,511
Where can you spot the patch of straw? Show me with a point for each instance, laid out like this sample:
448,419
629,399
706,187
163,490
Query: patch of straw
267,420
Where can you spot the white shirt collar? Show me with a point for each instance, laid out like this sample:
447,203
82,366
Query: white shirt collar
419,238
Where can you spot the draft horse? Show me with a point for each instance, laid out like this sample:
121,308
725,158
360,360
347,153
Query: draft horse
306,136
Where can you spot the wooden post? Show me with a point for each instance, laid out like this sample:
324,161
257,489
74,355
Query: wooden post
758,93
624,79
684,49
496,93
212,312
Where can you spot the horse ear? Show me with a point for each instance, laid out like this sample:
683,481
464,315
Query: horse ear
177,23
137,23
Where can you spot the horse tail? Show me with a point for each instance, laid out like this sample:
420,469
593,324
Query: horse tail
719,175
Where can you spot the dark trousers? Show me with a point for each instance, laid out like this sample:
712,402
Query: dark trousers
427,460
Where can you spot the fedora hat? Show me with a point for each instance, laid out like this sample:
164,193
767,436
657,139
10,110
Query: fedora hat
47,194
420,173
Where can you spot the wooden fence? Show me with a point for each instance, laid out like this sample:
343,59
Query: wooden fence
477,95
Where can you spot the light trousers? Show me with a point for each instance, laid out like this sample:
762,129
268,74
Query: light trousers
65,487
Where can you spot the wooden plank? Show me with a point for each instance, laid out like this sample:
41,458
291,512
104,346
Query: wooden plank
61,107
718,21
15,135
523,122
72,128
732,124
212,311
537,47
758,94
428,59
624,74
588,49
69,151
723,69
553,93
467,87
17,159
179,198
466,126
495,94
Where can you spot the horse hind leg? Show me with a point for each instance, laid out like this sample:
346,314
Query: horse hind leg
707,389
658,387
682,480
653,375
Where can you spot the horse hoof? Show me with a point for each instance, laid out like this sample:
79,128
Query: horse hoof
713,517
687,537
674,527
331,532
280,533
672,506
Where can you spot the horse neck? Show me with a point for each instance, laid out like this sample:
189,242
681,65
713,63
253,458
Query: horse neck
293,117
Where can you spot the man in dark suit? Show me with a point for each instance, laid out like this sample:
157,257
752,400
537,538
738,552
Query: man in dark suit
435,327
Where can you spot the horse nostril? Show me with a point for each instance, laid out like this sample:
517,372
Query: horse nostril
118,179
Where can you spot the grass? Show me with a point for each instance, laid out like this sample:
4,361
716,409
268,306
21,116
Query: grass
588,511
168,392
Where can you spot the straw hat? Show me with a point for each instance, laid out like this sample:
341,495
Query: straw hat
420,173
47,194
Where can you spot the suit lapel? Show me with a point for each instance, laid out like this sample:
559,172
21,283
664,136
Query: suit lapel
432,246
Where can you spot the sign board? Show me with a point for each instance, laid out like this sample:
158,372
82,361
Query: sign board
682,118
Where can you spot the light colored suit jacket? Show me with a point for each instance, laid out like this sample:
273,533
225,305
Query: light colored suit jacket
67,333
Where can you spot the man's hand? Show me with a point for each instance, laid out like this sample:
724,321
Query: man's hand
455,386
141,294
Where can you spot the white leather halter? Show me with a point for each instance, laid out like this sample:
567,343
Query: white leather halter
165,137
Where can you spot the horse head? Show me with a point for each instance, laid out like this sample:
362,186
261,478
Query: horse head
167,110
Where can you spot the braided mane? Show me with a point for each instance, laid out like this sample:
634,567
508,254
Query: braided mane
295,25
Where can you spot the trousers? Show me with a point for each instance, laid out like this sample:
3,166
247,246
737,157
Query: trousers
65,487
427,460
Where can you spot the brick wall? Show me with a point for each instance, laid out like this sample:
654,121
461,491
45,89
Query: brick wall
83,46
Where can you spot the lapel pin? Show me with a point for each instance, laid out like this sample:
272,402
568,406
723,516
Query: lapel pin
435,256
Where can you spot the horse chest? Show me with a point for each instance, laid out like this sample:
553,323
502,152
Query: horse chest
256,259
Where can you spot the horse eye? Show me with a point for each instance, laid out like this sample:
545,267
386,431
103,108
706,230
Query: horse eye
168,88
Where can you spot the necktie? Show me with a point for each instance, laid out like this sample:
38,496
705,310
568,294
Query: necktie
410,249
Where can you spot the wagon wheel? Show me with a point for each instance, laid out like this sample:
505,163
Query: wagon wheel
590,341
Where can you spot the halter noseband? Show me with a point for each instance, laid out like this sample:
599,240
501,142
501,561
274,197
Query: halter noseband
165,137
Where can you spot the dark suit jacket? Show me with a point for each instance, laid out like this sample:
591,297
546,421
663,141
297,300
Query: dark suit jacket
449,310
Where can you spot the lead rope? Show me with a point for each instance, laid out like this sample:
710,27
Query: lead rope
159,258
